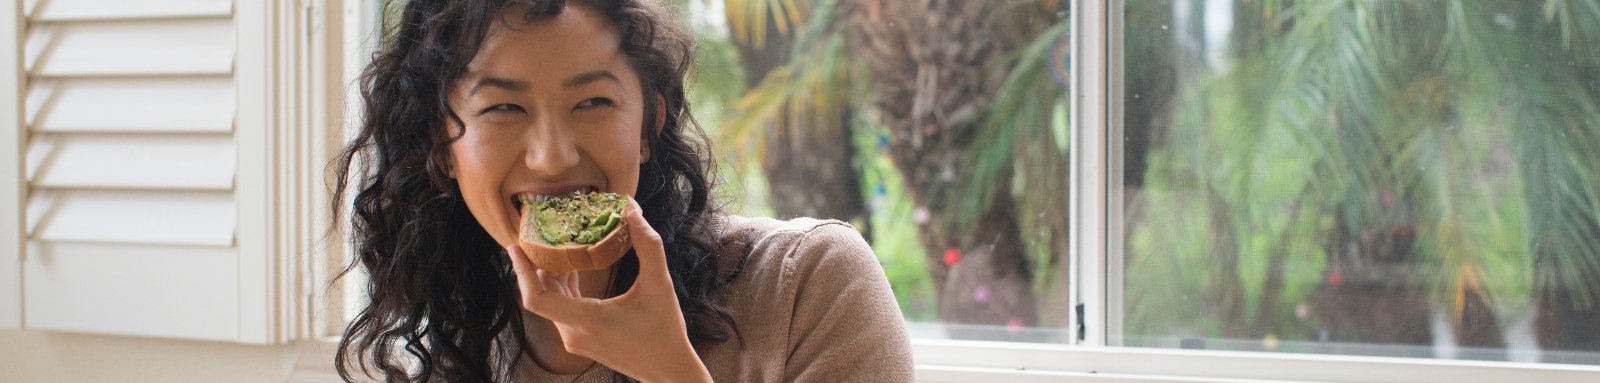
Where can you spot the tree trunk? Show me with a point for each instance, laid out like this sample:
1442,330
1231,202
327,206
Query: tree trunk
1229,289
934,67
812,171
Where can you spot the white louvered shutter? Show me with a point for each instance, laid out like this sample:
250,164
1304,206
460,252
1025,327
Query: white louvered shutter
150,189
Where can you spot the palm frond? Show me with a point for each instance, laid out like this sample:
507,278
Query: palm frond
748,18
815,83
1484,141
1022,109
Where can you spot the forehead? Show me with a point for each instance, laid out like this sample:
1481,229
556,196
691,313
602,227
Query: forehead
545,49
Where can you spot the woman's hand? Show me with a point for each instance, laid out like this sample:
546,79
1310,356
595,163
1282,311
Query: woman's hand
640,333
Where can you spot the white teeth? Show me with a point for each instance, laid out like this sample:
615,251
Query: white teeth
524,199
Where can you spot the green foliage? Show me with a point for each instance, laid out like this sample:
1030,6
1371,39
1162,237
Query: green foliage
1472,124
1021,115
818,79
1023,136
894,239
815,82
715,82
822,75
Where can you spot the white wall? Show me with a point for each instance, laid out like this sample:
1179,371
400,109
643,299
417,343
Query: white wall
38,356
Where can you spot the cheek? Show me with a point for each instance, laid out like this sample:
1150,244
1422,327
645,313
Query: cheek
468,168
481,151
479,172
620,155
467,159
482,162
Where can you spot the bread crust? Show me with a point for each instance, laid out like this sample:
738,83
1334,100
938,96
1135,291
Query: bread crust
597,256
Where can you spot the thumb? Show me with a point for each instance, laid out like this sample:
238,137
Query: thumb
536,298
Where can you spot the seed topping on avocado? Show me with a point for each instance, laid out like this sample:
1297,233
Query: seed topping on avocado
577,218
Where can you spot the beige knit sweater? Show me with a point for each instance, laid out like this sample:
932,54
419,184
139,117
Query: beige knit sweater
812,304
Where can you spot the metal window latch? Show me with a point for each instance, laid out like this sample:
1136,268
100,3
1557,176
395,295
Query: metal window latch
1081,328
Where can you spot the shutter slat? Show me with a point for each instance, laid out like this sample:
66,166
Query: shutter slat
134,217
204,104
75,10
136,48
39,204
175,292
39,149
38,40
39,95
155,162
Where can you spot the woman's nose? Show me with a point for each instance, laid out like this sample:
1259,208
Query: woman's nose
551,151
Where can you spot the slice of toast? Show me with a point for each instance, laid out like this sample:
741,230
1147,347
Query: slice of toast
573,232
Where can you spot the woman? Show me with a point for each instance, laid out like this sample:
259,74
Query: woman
471,104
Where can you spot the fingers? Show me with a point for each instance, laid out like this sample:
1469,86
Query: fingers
571,280
542,293
527,281
646,244
552,282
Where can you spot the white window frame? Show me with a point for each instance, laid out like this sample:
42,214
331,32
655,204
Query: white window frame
1095,100
12,190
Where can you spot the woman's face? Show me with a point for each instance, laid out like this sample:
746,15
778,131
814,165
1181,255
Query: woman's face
550,106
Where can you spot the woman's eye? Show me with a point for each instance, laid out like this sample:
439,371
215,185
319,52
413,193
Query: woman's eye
501,108
594,102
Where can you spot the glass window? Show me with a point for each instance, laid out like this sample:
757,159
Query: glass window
938,129
1393,178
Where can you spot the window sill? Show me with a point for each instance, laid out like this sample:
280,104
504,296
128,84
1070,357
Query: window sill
954,360
970,361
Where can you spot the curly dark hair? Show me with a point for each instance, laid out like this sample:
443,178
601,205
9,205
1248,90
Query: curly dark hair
441,291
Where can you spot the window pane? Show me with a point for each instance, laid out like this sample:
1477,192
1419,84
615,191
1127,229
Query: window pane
939,130
1402,178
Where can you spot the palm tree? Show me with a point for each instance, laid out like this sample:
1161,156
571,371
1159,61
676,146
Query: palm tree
962,138
938,68
805,144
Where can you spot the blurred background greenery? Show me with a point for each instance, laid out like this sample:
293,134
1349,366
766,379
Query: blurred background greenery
1364,172
1417,172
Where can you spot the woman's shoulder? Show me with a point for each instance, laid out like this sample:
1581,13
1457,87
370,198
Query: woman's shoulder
794,274
804,241
767,226
796,259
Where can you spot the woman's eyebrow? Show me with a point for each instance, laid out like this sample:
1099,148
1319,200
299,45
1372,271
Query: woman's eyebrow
498,82
519,85
586,78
